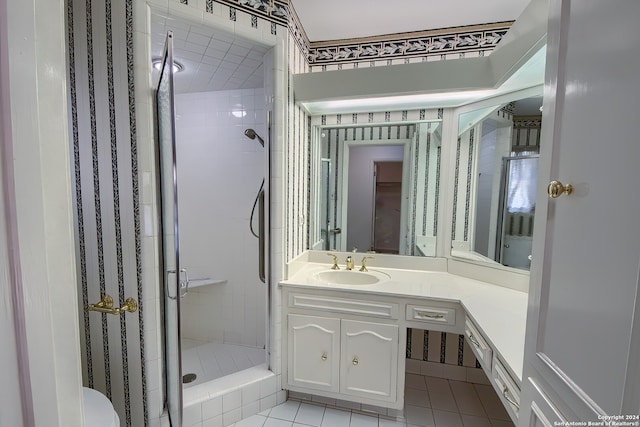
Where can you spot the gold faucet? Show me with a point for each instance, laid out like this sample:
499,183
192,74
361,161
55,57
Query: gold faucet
350,263
364,263
335,262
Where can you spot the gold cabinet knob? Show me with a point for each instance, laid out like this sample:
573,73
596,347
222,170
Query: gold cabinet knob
355,361
556,189
324,356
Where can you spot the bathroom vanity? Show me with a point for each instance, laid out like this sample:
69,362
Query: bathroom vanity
347,340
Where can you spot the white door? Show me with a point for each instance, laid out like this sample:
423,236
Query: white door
314,352
583,340
369,360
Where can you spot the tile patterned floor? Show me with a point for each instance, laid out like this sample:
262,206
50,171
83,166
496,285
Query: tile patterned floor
429,402
210,361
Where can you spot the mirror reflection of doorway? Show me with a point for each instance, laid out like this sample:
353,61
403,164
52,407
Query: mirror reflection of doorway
361,195
387,206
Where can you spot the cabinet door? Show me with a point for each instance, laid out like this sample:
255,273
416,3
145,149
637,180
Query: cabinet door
583,336
313,358
369,358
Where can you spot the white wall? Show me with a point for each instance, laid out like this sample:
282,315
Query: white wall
10,394
36,189
219,173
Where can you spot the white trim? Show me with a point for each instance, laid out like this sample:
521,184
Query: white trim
37,46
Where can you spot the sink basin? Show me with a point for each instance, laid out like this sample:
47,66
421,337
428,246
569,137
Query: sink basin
346,277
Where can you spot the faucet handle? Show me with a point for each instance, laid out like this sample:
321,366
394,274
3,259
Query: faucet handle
364,263
335,261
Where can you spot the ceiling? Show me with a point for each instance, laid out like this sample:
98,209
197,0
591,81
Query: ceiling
211,60
343,19
217,60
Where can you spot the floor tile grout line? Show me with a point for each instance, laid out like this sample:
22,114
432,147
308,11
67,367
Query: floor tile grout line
453,396
377,417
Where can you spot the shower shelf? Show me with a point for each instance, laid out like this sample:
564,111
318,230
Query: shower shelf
196,283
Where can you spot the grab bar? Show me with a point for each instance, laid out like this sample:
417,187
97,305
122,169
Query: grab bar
261,239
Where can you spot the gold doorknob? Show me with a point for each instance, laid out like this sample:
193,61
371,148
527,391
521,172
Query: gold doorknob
324,357
355,361
556,189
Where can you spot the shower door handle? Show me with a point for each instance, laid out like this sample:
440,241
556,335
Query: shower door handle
182,285
261,238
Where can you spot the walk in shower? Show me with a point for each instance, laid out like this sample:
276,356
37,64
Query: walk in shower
212,161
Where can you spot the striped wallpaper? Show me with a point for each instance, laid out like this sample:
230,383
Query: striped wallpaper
298,156
440,347
102,120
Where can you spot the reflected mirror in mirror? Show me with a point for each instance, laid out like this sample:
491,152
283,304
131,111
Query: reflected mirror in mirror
375,188
495,183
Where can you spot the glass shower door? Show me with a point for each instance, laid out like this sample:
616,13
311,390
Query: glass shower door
170,264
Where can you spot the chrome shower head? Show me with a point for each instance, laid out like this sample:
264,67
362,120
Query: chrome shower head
250,133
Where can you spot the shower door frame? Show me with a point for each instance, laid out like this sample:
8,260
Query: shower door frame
169,274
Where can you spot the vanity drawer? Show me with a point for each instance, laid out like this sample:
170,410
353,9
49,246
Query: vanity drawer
508,391
422,313
478,345
343,305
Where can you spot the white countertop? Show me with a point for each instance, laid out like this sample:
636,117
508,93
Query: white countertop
500,312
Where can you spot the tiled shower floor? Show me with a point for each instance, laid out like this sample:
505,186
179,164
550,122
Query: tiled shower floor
210,361
429,402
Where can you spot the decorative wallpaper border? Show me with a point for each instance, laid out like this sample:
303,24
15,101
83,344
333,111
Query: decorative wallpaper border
417,44
273,10
439,43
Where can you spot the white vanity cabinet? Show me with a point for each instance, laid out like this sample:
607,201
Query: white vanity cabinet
478,344
351,357
314,349
340,345
350,344
507,388
369,355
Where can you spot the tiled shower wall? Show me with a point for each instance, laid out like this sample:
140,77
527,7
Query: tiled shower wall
219,173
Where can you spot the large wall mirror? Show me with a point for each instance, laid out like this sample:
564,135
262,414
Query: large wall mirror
496,170
375,187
